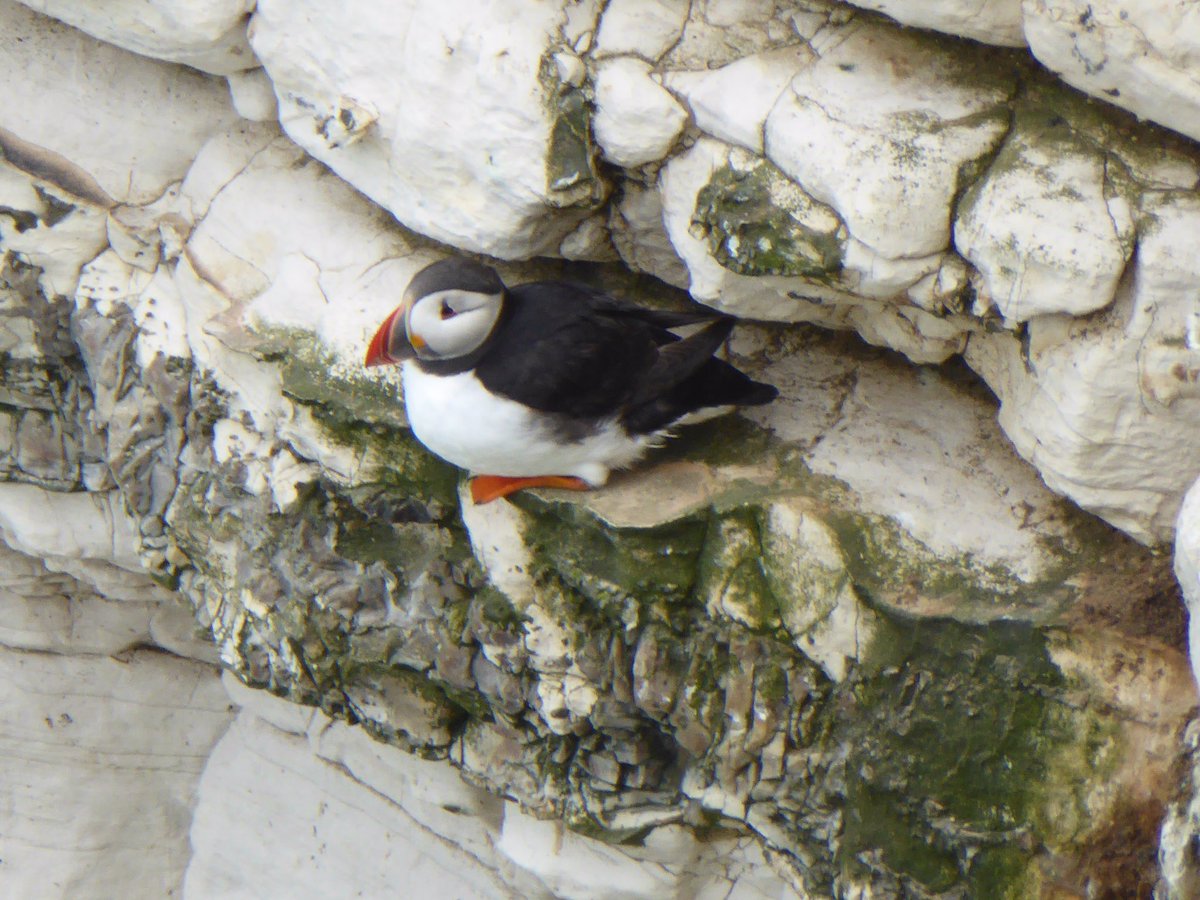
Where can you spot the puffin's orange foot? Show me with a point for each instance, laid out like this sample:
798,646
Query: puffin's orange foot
486,488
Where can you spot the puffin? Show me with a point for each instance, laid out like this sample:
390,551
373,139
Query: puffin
550,383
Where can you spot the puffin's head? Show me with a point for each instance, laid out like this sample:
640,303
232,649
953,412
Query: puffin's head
448,311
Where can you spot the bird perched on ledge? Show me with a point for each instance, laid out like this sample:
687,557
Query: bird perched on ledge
549,384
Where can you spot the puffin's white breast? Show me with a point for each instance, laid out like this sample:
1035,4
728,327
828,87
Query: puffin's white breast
457,418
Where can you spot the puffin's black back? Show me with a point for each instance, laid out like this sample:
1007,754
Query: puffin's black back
568,349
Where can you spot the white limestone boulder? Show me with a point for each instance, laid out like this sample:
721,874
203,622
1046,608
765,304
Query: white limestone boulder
246,186
105,124
450,115
884,140
991,21
68,530
680,182
210,36
732,102
640,236
642,28
1046,228
637,121
1107,407
1140,56
253,95
315,265
718,32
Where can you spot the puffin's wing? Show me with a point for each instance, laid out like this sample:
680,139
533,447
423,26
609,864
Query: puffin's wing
569,349
608,305
687,379
680,360
557,352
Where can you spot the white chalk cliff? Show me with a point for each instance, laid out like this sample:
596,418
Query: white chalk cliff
914,629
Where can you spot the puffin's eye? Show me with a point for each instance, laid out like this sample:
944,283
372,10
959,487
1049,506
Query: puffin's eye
447,311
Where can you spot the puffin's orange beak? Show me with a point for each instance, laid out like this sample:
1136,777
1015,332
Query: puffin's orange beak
383,349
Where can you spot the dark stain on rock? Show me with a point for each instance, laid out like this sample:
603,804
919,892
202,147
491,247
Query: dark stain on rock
1117,863
47,165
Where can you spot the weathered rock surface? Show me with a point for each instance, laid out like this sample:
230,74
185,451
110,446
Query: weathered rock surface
207,36
991,21
379,817
121,127
637,121
643,28
883,143
1141,56
456,119
914,204
847,645
101,760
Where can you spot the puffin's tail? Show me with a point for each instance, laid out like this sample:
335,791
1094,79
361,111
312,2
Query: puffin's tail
702,383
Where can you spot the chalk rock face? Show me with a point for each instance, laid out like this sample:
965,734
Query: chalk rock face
1141,56
206,36
637,121
89,753
120,129
452,117
1140,361
882,142
847,644
628,662
642,28
1005,227
991,21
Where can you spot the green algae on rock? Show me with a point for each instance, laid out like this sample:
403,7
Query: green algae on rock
962,760
739,635
757,221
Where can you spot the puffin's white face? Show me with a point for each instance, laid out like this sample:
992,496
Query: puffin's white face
448,310
452,323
